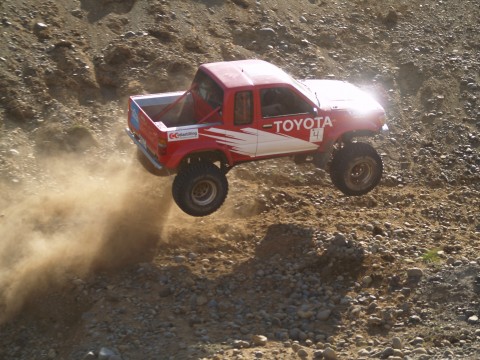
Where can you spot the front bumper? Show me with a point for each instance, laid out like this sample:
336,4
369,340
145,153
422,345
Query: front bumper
144,150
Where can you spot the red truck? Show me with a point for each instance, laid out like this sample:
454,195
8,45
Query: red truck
240,111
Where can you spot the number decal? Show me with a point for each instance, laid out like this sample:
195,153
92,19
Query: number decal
316,135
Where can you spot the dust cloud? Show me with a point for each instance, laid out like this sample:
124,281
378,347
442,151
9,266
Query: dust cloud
81,219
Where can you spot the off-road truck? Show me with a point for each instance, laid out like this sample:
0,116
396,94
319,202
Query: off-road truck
240,111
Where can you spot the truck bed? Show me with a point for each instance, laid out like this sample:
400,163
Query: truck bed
154,106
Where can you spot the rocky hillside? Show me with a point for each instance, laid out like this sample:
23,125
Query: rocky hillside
98,263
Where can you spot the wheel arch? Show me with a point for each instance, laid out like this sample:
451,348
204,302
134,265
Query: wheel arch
337,141
348,136
213,156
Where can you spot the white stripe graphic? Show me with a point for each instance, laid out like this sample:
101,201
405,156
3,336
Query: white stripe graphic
252,142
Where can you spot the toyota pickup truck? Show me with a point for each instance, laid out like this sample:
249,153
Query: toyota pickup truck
240,111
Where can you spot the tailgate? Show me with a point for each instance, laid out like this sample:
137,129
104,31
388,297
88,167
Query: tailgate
144,132
142,111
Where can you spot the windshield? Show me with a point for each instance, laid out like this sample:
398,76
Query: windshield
306,91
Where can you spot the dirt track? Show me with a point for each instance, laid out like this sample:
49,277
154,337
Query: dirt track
96,261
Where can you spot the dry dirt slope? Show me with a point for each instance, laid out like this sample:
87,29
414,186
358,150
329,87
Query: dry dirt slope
94,255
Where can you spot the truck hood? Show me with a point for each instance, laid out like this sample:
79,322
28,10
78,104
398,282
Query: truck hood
341,95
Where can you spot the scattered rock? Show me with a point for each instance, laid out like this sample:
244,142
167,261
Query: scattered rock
259,340
473,320
415,273
397,343
329,354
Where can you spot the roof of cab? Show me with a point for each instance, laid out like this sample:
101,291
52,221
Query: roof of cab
245,73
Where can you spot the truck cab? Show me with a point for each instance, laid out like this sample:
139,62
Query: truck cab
249,110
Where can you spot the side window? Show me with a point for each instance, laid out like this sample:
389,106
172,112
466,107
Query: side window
243,111
281,101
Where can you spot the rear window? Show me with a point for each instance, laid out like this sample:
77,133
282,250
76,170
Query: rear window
208,89
243,112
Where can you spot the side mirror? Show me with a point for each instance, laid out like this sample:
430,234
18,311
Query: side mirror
315,111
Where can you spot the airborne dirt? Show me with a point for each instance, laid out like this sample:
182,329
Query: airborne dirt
96,261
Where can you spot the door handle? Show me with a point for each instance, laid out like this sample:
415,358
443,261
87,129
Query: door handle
267,126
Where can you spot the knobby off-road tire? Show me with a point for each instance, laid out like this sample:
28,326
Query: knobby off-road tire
356,169
200,189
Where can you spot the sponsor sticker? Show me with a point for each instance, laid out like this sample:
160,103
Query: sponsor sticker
179,135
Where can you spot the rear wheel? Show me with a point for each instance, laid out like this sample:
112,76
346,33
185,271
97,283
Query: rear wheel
356,169
200,189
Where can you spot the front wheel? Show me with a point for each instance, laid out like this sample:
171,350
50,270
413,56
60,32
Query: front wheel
200,189
356,169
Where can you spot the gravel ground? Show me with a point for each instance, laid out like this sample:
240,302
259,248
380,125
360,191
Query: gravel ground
98,263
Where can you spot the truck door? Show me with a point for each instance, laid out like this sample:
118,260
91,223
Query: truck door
241,136
286,123
244,135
